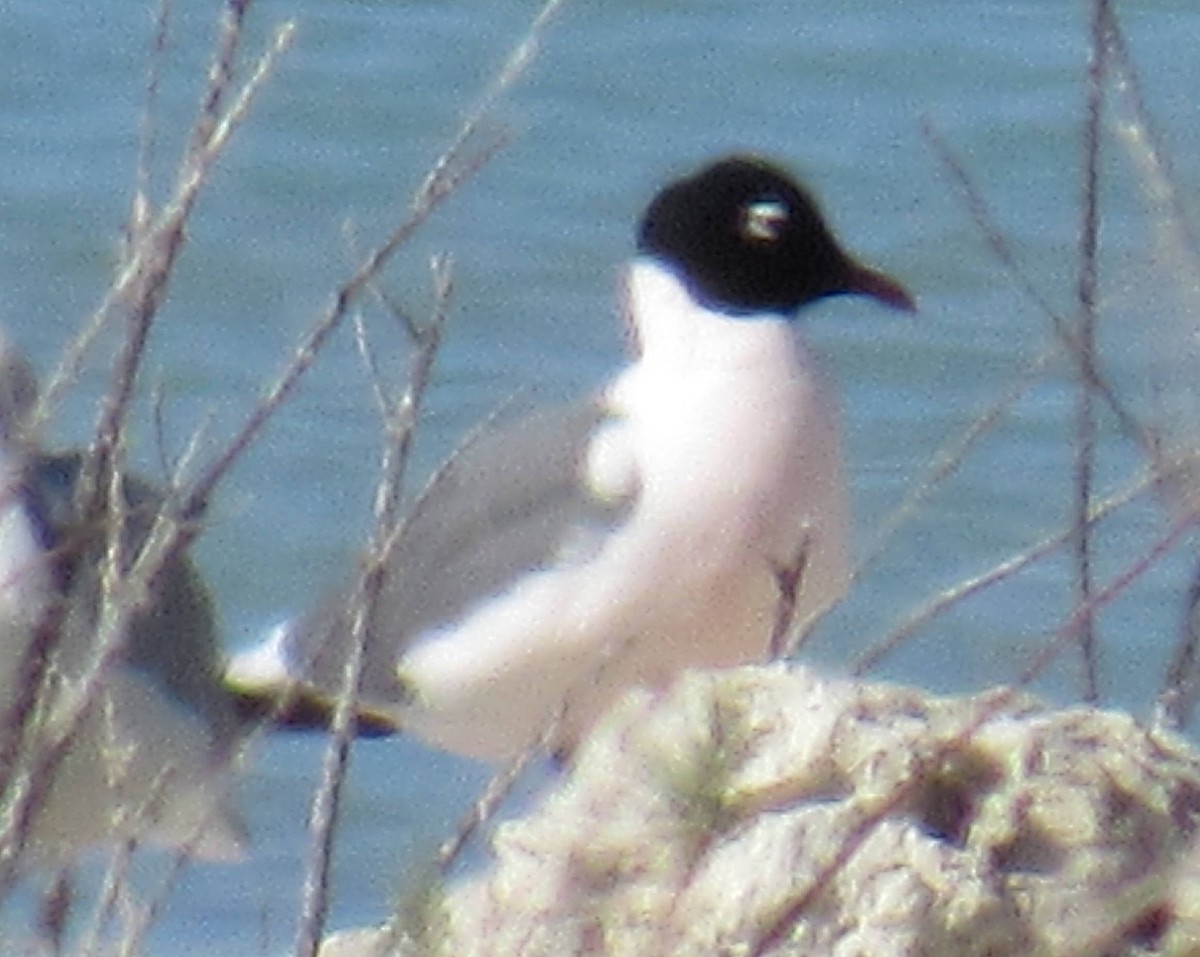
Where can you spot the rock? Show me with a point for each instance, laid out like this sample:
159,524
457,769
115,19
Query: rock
766,811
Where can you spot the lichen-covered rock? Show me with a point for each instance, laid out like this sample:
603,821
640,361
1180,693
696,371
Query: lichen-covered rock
764,811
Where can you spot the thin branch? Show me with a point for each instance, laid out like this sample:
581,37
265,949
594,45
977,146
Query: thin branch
1002,571
1181,678
1085,412
141,203
785,637
220,78
981,214
430,197
489,802
400,423
1144,143
1068,633
947,460
1176,245
143,275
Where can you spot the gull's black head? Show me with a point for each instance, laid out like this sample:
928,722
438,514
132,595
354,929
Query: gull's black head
746,237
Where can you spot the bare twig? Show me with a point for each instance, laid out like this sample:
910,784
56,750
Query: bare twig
490,800
433,192
1177,249
1181,679
141,203
1085,413
105,910
400,423
455,166
1068,633
981,213
142,279
947,460
789,579
53,911
143,917
998,573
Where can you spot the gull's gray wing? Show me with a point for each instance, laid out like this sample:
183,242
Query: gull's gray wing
149,756
512,501
173,642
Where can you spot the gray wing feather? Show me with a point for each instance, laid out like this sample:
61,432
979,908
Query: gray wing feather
511,502
173,642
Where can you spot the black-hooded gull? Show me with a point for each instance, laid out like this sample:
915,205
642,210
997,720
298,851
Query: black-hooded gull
646,530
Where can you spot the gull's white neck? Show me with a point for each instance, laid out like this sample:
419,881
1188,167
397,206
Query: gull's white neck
674,332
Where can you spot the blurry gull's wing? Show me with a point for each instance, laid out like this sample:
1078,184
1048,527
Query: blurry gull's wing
513,501
150,756
174,641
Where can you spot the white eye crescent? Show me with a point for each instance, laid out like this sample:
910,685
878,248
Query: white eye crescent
764,220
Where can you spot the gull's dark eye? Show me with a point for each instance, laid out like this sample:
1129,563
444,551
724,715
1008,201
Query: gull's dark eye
764,220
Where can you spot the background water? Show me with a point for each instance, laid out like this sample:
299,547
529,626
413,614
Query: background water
623,96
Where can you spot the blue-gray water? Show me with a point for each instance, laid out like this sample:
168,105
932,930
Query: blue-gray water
622,96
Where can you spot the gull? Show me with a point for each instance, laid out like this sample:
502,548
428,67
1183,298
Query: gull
150,757
658,526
